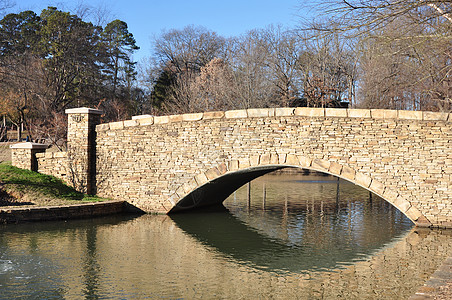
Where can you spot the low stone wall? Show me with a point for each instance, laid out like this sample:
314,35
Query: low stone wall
88,210
55,164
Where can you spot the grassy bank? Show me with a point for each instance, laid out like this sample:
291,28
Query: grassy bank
24,187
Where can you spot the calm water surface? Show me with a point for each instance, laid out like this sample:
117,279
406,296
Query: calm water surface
287,237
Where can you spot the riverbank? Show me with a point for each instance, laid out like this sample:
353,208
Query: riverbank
19,187
62,212
30,196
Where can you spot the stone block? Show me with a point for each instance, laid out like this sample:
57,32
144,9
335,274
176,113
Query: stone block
265,159
236,114
409,115
282,158
305,162
244,163
173,199
190,186
213,115
284,111
390,195
181,192
260,112
161,120
60,154
192,117
348,173
359,113
336,112
103,127
141,117
146,121
335,168
131,123
413,213
435,116
201,179
362,179
274,159
254,160
377,187
383,114
233,165
175,118
213,173
222,168
321,165
310,112
292,160
83,110
117,125
402,204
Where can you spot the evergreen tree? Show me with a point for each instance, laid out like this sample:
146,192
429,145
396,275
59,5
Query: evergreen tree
119,45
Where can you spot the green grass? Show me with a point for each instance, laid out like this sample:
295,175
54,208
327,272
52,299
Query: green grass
19,182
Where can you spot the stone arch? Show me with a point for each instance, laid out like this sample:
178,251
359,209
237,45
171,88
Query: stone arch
258,165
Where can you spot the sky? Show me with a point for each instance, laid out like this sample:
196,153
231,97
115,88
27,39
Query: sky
148,18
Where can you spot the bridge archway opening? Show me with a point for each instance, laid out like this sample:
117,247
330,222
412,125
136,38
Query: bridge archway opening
214,192
211,195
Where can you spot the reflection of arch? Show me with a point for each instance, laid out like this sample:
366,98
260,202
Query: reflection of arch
216,184
235,239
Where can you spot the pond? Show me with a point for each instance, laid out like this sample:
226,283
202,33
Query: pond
283,237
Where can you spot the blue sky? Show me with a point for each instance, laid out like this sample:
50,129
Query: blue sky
147,18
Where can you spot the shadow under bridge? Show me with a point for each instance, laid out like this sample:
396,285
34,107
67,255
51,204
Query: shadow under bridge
213,193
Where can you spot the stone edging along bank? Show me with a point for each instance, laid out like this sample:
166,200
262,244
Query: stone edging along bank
63,212
144,120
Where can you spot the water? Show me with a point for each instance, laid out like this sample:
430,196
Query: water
302,242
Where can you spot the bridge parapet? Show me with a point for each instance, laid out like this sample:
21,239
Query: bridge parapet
282,112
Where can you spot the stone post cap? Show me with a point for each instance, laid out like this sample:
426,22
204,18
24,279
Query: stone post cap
83,110
29,145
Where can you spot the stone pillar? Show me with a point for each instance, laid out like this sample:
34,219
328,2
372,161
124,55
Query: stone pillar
23,155
81,148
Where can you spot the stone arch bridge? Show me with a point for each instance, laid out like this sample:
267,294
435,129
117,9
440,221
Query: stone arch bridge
164,164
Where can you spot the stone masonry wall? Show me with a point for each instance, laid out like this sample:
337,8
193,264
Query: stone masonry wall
22,158
55,164
403,156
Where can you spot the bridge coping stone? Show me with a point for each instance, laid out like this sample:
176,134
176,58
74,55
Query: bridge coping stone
145,120
235,114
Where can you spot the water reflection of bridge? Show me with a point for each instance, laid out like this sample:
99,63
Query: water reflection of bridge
133,257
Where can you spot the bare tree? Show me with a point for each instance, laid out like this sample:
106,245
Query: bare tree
408,42
251,73
328,64
282,49
188,49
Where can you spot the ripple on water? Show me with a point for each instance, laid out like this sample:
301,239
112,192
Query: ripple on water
6,266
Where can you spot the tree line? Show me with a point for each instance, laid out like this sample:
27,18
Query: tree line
356,53
54,61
